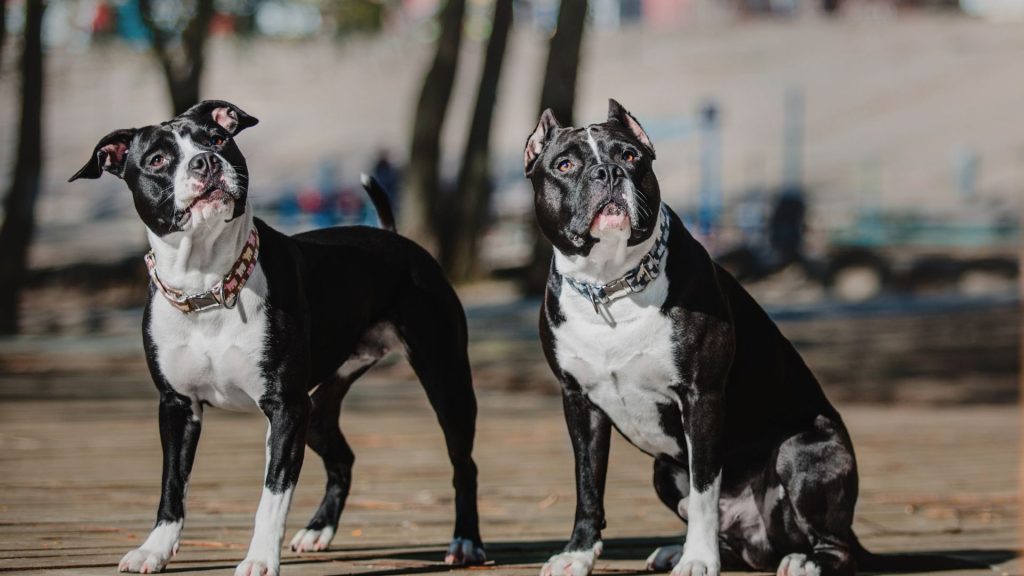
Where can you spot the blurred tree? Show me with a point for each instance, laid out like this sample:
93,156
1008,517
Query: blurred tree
559,94
422,185
19,205
3,29
460,237
179,43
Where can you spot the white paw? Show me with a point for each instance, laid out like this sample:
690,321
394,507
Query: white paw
798,565
664,558
309,540
255,567
463,552
575,563
698,561
144,561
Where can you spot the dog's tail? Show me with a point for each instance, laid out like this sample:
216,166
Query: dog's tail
902,562
379,197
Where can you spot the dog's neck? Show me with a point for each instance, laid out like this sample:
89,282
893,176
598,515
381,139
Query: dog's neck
610,258
194,261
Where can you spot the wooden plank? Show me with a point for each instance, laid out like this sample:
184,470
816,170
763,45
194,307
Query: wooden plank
80,486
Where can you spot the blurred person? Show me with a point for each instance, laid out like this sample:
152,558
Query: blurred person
389,177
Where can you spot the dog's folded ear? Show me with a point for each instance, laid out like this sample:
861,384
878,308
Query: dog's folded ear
225,114
535,143
619,114
110,154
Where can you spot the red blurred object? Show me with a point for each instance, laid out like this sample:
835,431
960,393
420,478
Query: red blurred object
103,19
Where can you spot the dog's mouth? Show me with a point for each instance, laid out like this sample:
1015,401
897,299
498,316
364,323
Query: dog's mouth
215,197
611,216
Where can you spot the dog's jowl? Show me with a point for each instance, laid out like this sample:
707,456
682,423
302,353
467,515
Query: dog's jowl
648,335
243,317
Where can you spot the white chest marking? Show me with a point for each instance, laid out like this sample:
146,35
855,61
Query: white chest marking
627,368
214,356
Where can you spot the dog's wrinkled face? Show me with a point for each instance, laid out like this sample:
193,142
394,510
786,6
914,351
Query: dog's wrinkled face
183,173
593,182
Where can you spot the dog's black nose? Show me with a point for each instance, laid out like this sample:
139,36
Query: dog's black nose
607,172
204,165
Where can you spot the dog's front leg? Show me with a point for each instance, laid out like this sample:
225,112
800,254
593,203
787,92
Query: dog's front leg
180,424
286,441
703,429
590,432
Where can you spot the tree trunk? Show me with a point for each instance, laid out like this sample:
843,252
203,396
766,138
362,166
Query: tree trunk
182,62
418,205
559,94
19,206
3,30
460,239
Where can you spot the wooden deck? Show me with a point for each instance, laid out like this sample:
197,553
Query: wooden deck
79,486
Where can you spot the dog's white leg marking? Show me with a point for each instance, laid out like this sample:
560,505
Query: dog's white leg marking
700,552
798,565
155,552
264,557
575,563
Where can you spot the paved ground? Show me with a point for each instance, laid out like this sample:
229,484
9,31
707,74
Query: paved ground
80,477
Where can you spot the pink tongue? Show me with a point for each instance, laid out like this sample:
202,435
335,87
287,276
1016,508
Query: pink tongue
610,218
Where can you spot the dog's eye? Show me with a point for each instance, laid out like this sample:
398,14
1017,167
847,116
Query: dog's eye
564,166
629,156
217,141
157,161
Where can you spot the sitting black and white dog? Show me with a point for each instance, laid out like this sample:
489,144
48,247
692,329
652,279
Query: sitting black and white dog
243,317
647,334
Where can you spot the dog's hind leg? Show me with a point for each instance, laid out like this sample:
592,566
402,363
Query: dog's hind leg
436,346
326,439
818,472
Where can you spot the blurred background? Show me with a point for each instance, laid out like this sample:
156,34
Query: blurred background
857,163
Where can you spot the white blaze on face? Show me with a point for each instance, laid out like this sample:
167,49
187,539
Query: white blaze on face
593,145
185,186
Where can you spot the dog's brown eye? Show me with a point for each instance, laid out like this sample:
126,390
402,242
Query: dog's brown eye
217,141
564,166
157,161
628,156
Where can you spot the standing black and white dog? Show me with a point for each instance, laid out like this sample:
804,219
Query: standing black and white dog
243,317
650,336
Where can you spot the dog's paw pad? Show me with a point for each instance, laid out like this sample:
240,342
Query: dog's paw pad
463,551
312,540
252,567
798,565
575,563
142,561
664,558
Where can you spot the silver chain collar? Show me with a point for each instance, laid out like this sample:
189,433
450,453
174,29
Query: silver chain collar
636,280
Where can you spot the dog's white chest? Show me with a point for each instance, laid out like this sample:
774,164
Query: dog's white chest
627,369
214,356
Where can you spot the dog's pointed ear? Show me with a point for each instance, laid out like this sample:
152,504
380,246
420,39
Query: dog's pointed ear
110,154
619,114
535,143
225,114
